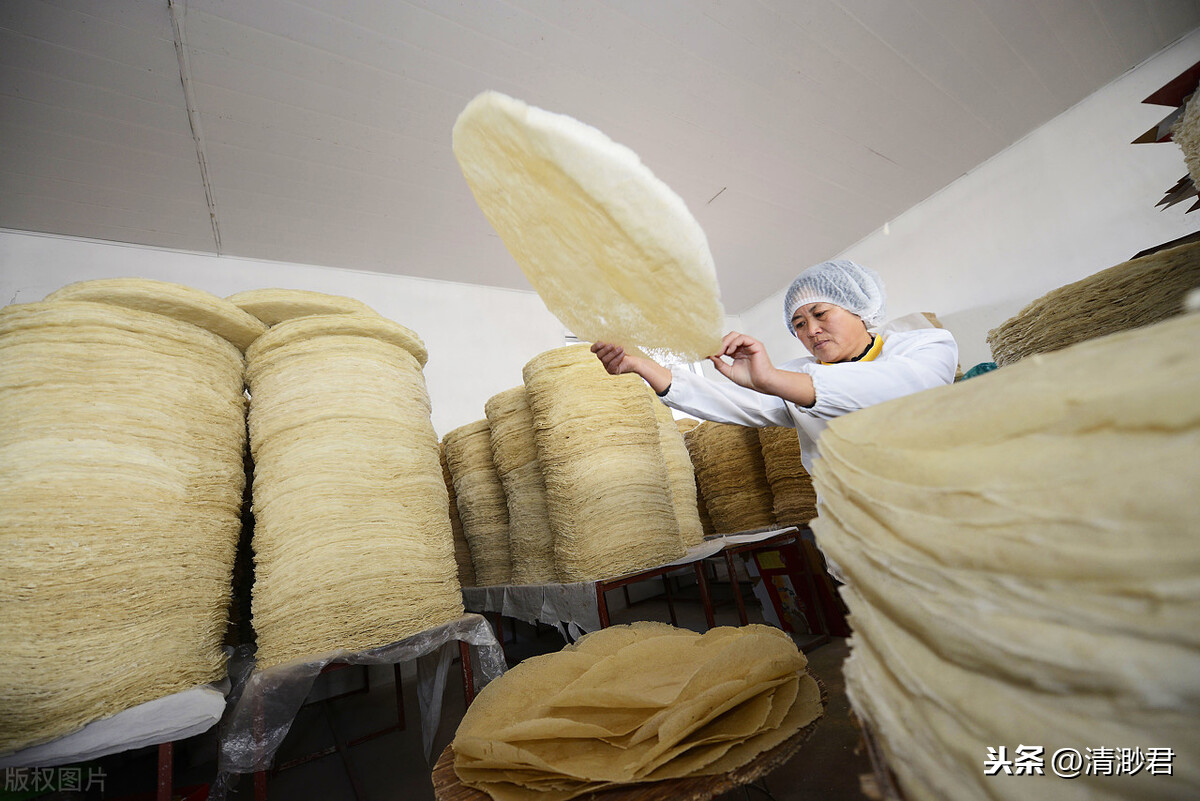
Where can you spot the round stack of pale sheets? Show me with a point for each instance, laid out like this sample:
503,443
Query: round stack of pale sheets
680,473
731,476
352,539
514,451
607,488
482,505
274,306
794,499
176,301
685,426
121,483
462,551
632,704
1129,295
1023,567
1186,133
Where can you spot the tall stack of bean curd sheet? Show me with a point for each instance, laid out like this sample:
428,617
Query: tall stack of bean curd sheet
514,452
1132,294
121,482
793,498
1023,566
352,540
680,473
685,425
731,476
631,704
274,306
482,505
462,551
607,487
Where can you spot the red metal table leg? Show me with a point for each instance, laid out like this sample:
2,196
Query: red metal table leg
166,756
601,604
705,596
670,600
468,677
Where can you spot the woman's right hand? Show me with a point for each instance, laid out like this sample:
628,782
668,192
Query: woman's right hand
617,362
614,358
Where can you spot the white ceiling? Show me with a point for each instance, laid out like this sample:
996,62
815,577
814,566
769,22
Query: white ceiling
792,128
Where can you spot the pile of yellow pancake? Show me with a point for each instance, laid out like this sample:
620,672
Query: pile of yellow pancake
640,703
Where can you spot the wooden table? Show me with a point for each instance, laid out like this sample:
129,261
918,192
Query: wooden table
447,787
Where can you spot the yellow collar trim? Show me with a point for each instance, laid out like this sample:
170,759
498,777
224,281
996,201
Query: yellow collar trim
871,354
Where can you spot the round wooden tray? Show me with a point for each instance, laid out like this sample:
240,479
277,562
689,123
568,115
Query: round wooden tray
447,787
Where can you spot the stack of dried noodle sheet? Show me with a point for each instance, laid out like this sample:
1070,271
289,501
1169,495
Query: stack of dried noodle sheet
274,306
462,551
121,480
482,505
1023,567
352,540
685,426
631,704
607,487
176,301
1132,294
794,499
680,473
731,476
514,451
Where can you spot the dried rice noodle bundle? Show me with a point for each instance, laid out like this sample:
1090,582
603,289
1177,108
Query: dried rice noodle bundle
1068,592
352,539
481,501
731,476
686,425
121,482
607,488
1129,295
795,500
354,325
177,301
514,451
680,472
462,551
274,306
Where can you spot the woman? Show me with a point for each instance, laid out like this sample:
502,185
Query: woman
830,308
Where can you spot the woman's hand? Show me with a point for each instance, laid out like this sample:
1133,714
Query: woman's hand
750,367
617,362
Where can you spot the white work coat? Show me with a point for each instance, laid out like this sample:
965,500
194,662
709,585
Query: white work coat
909,362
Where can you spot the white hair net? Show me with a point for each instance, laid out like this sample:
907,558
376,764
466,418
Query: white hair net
844,283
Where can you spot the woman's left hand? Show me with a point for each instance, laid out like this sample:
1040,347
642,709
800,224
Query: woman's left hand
749,365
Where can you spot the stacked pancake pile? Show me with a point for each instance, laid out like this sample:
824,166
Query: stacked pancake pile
680,473
731,476
514,451
481,502
685,425
1129,295
607,487
629,704
274,306
1007,585
462,551
794,499
121,481
352,540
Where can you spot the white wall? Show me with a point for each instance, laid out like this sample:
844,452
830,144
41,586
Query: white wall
1070,199
478,337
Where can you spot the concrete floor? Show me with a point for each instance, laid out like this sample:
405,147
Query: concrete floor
391,767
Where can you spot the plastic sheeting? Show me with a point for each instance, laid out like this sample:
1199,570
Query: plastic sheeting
163,720
265,702
573,608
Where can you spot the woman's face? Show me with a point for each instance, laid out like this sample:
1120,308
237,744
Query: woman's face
830,333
